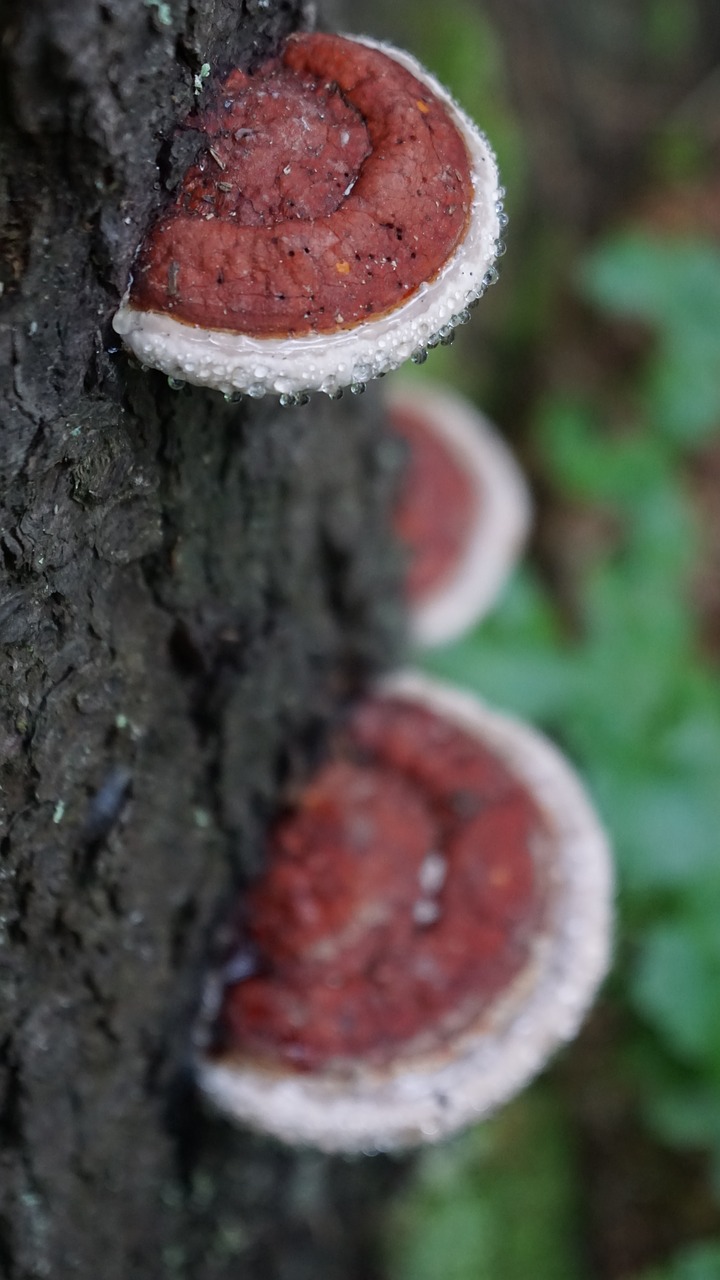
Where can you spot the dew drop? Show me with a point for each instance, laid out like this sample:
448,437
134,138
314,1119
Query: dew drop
425,912
502,218
419,356
256,390
357,388
337,394
491,277
500,248
176,384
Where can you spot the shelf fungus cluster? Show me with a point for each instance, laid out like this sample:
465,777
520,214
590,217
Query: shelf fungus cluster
433,922
342,218
462,512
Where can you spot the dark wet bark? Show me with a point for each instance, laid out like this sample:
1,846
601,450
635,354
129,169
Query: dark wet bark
188,589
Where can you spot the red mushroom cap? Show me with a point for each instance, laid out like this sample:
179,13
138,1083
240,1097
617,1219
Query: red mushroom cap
344,215
433,922
463,510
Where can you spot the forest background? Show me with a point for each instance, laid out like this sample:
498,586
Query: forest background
178,636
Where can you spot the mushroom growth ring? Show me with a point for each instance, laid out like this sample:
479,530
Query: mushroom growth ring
343,216
432,924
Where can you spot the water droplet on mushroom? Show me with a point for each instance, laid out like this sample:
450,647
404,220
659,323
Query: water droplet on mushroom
426,911
432,873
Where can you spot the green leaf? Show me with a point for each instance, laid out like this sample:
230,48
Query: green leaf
688,1117
592,465
497,1202
683,385
700,1262
666,830
674,286
670,282
675,986
514,659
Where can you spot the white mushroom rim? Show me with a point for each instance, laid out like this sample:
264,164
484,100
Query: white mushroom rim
503,513
235,363
423,1099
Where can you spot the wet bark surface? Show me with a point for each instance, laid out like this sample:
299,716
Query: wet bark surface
188,591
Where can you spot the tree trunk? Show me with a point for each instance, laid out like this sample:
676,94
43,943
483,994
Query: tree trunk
188,589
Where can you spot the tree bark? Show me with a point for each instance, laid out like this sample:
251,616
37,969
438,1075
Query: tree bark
188,590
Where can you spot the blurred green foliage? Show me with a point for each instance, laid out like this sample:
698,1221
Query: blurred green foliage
630,700
517,1170
676,289
618,680
701,1262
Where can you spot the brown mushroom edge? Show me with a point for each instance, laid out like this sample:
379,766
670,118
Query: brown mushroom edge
237,363
423,1097
495,524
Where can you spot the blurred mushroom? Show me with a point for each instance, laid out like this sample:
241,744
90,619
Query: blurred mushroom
463,510
344,216
433,923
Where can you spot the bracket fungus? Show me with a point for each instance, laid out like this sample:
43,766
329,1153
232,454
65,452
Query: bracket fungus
433,923
343,217
463,510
